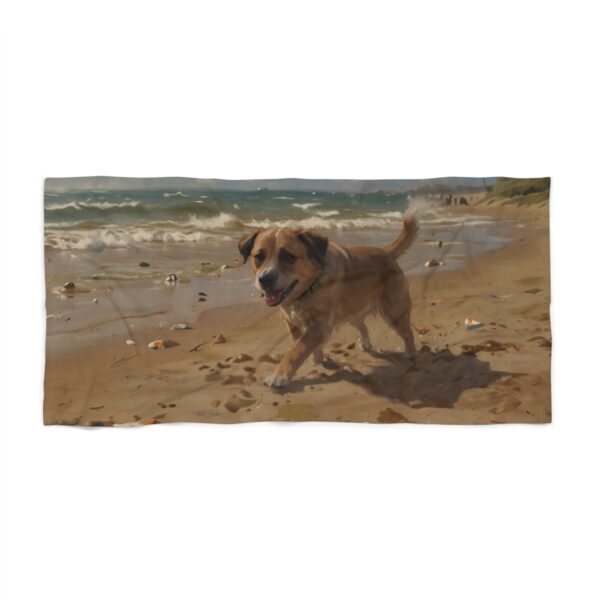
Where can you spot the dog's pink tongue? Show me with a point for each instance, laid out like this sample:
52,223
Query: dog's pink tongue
272,298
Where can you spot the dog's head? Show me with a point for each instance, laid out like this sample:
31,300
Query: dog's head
286,262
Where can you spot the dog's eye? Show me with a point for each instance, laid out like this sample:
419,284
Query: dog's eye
286,257
259,257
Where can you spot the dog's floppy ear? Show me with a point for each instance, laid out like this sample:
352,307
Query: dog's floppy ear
246,243
316,245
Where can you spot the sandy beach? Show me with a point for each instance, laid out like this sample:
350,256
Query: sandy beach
100,370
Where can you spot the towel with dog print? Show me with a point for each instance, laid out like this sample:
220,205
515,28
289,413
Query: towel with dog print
230,301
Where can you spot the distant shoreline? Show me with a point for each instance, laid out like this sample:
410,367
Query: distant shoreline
174,184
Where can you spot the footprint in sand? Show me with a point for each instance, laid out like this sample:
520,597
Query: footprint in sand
242,358
213,376
268,359
489,346
234,379
331,365
236,403
509,405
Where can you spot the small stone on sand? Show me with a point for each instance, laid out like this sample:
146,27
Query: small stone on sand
472,324
162,344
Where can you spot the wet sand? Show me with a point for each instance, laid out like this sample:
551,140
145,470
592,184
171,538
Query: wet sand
213,372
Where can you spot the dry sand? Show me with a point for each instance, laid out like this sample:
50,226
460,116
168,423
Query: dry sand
498,373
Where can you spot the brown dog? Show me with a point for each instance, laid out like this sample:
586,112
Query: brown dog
319,284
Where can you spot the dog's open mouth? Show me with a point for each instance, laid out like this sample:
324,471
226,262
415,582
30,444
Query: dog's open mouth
276,297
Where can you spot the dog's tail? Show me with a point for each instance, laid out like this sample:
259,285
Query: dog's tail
407,236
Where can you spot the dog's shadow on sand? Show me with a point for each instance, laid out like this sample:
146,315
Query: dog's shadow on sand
436,380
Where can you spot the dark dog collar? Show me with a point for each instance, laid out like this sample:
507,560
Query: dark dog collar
315,285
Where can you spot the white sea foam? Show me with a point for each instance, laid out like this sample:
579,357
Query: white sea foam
306,205
100,239
63,206
220,221
98,205
174,195
394,214
319,222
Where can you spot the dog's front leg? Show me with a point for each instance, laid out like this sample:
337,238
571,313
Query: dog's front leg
294,331
304,345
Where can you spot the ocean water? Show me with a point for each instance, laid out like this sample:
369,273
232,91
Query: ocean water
100,219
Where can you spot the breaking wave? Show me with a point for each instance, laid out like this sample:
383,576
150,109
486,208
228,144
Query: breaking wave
89,234
100,239
305,205
83,205
322,222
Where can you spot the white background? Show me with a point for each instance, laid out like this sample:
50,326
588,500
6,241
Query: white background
310,89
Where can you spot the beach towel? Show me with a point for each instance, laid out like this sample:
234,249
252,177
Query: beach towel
232,301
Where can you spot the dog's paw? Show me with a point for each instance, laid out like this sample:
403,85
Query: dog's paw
276,381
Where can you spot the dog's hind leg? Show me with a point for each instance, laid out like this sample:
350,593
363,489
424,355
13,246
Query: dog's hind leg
402,326
395,306
318,356
365,340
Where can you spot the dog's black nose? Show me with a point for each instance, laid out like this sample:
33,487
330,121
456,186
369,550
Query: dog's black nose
267,278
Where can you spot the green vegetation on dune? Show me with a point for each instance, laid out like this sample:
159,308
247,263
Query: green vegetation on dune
519,191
